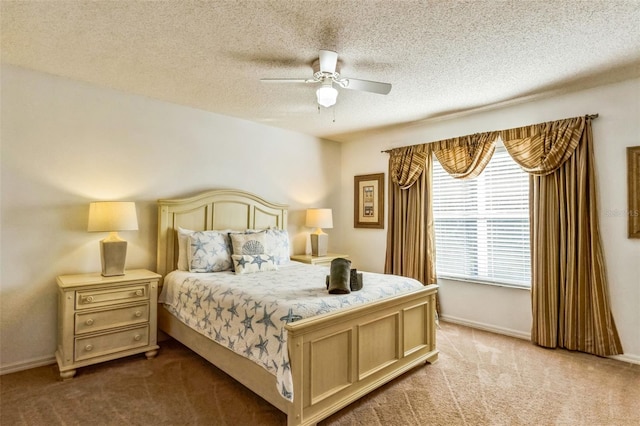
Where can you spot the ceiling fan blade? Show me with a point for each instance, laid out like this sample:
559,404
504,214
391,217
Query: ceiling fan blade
366,85
328,61
288,80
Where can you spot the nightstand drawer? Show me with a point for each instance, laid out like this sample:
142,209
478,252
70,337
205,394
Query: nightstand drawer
94,346
109,296
87,322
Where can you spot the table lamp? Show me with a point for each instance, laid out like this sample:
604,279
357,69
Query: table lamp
112,216
319,218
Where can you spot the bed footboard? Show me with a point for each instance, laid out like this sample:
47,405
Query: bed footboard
337,358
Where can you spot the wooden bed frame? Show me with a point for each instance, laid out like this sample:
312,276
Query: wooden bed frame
335,358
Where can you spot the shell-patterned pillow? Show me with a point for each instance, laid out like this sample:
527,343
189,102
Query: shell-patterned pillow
248,243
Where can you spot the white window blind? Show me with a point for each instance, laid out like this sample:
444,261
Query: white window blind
482,224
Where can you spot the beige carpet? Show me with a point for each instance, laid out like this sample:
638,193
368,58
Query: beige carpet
480,379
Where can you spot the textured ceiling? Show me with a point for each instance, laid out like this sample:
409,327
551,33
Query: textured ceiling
442,57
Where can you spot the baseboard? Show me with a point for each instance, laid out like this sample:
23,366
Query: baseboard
630,358
48,360
487,327
26,365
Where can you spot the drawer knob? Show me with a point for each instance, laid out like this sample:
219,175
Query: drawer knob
88,299
137,337
89,321
139,293
88,348
138,314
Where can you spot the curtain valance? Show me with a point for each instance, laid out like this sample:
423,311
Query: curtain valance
406,164
540,149
465,157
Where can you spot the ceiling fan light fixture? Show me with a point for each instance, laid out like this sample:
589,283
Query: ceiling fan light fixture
327,94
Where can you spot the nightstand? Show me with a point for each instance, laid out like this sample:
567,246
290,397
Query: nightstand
318,260
104,318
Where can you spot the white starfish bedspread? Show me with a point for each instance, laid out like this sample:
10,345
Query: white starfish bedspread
247,313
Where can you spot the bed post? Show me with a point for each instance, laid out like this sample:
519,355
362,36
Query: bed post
296,361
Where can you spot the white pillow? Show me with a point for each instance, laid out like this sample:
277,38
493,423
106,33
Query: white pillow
209,251
183,261
252,263
277,244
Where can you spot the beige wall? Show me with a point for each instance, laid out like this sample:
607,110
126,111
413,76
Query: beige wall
66,143
505,309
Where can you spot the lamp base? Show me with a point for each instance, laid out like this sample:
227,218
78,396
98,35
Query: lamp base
113,255
319,244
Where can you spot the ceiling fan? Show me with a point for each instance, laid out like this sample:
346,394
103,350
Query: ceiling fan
326,72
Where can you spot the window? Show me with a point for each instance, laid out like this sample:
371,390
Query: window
482,224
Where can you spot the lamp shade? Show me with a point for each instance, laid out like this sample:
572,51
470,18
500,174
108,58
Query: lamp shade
319,218
327,95
110,216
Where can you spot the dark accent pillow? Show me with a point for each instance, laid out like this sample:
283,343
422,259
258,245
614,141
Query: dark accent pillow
355,280
339,276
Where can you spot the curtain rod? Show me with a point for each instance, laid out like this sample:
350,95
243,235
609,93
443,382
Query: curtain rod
591,116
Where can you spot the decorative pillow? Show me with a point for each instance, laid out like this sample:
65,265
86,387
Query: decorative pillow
209,251
339,276
183,257
248,243
251,263
276,243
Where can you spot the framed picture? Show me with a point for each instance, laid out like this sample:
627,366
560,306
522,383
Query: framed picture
633,177
368,201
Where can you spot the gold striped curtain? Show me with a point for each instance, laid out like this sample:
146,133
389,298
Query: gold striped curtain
465,157
410,243
570,303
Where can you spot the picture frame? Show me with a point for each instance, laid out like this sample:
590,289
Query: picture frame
633,187
368,205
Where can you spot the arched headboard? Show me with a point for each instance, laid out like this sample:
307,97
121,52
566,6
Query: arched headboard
218,209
